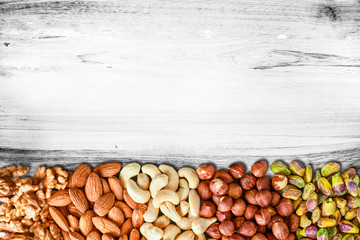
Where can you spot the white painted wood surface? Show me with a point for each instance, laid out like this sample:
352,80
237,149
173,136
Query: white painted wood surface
212,79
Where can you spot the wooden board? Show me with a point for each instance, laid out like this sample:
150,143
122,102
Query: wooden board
169,80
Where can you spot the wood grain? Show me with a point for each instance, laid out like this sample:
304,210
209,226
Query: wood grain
217,80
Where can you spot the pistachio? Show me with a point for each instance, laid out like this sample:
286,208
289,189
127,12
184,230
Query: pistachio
322,234
338,184
340,202
351,186
293,194
308,190
322,198
297,168
349,173
312,202
348,227
287,187
332,231
302,209
304,221
309,231
352,202
351,214
279,167
330,168
358,215
344,210
337,236
324,186
326,222
308,174
297,181
328,207
348,237
316,215
316,177
296,203
337,216
356,179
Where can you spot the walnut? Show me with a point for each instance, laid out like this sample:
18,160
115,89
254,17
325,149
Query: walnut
4,188
20,171
12,226
39,175
6,172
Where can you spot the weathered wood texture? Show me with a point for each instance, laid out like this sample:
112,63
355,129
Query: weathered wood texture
180,80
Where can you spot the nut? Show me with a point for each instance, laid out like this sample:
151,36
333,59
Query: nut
250,212
293,194
263,183
207,209
248,181
292,222
218,186
158,183
166,195
274,219
238,221
137,218
328,207
285,207
237,170
248,229
227,228
262,217
116,187
206,171
59,218
338,184
204,190
308,190
308,174
309,232
116,215
250,196
200,225
78,199
263,198
324,186
136,193
107,169
349,173
280,230
238,209
93,187
213,231
78,179
151,170
106,226
222,216
60,198
279,181
275,199
279,167
85,222
296,181
173,177
348,227
259,168
225,204
235,191
104,203
297,168
312,202
259,236
225,176
329,169
190,175
351,186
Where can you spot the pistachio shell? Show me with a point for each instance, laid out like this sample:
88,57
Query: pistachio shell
308,189
279,167
312,202
324,186
328,207
297,181
308,174
326,222
293,194
348,227
316,215
322,234
351,186
330,168
297,168
338,184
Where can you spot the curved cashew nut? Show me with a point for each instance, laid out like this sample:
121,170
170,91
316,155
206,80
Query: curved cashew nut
136,193
185,223
162,222
130,170
169,210
183,208
200,237
187,235
151,232
173,176
143,181
171,231
158,183
151,213
184,189
190,176
166,195
194,203
200,225
151,170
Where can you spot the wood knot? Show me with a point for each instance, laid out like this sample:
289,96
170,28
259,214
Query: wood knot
6,44
329,11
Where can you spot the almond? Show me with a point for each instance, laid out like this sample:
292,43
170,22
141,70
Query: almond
134,235
59,219
105,186
65,235
104,203
107,237
93,236
124,237
76,236
116,215
78,179
85,223
64,210
116,187
129,201
127,211
126,227
108,169
79,200
137,216
106,226
73,223
60,199
74,210
93,187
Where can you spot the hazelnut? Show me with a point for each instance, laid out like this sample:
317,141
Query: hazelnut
250,212
284,208
238,208
213,231
259,168
263,183
270,236
275,199
248,229
204,190
225,176
224,237
262,217
205,171
262,229
237,170
238,221
207,209
280,230
263,198
248,181
291,236
292,222
225,204
222,216
236,236
250,196
271,210
216,199
259,236
227,228
235,190
274,219
218,186
279,181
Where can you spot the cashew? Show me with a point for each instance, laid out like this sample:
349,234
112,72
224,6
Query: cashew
184,189
158,183
187,235
194,202
150,232
151,170
162,222
173,176
168,209
200,225
190,176
185,223
171,231
151,213
130,170
183,208
166,195
200,237
143,181
136,193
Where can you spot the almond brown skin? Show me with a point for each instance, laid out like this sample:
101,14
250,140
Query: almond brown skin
85,222
106,226
59,219
78,179
108,169
60,199
104,203
78,199
93,187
